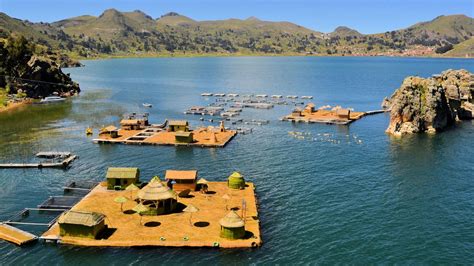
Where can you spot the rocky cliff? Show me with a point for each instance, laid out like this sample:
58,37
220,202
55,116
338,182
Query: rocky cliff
431,104
27,73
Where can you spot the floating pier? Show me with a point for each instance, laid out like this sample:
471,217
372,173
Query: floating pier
15,235
64,163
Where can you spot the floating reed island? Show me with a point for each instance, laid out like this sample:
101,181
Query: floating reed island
327,115
179,211
136,129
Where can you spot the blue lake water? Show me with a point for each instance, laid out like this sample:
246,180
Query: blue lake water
341,194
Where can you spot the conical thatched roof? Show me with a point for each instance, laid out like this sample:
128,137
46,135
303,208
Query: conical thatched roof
132,187
202,181
236,175
232,220
140,208
120,199
191,208
156,191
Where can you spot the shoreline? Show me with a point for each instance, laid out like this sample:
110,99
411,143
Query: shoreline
13,106
181,55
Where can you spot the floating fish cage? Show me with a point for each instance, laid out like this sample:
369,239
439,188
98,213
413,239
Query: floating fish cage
59,202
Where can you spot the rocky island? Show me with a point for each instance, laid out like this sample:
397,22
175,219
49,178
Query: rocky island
30,71
431,104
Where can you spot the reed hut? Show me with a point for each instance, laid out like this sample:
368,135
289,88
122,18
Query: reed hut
236,181
178,125
296,112
111,131
309,108
182,179
81,224
232,226
158,197
184,137
132,124
118,178
343,114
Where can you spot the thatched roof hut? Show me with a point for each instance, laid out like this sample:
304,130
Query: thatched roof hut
119,178
236,181
232,226
156,191
159,197
81,224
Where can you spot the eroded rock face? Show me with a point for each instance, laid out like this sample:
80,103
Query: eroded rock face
53,80
430,105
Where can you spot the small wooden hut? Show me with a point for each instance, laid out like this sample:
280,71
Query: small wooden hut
132,124
178,125
232,226
182,180
158,197
343,114
236,181
296,112
112,131
118,178
184,137
81,224
309,108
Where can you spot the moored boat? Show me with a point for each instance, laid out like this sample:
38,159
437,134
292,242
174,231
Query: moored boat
52,99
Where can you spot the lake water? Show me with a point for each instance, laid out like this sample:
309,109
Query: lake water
341,194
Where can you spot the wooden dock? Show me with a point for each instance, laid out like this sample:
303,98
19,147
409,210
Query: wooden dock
62,164
15,235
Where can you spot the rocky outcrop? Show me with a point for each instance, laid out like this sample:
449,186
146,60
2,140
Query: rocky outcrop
432,104
50,79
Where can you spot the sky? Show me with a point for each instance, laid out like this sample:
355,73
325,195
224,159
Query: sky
367,16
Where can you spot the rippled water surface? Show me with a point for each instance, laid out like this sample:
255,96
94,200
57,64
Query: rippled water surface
337,194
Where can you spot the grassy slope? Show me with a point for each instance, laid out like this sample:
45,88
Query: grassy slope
463,49
136,34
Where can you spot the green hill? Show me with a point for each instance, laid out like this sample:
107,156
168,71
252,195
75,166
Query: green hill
116,33
464,49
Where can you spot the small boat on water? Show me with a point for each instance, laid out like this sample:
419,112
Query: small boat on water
306,97
292,97
52,99
148,105
206,94
89,131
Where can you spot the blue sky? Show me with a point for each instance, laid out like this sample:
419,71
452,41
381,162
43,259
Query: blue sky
367,16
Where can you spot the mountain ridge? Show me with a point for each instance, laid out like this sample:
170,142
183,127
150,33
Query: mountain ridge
116,33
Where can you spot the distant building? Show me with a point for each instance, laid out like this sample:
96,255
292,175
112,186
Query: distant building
81,224
112,131
118,178
184,137
343,114
178,125
158,197
236,181
296,112
182,180
132,124
232,226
